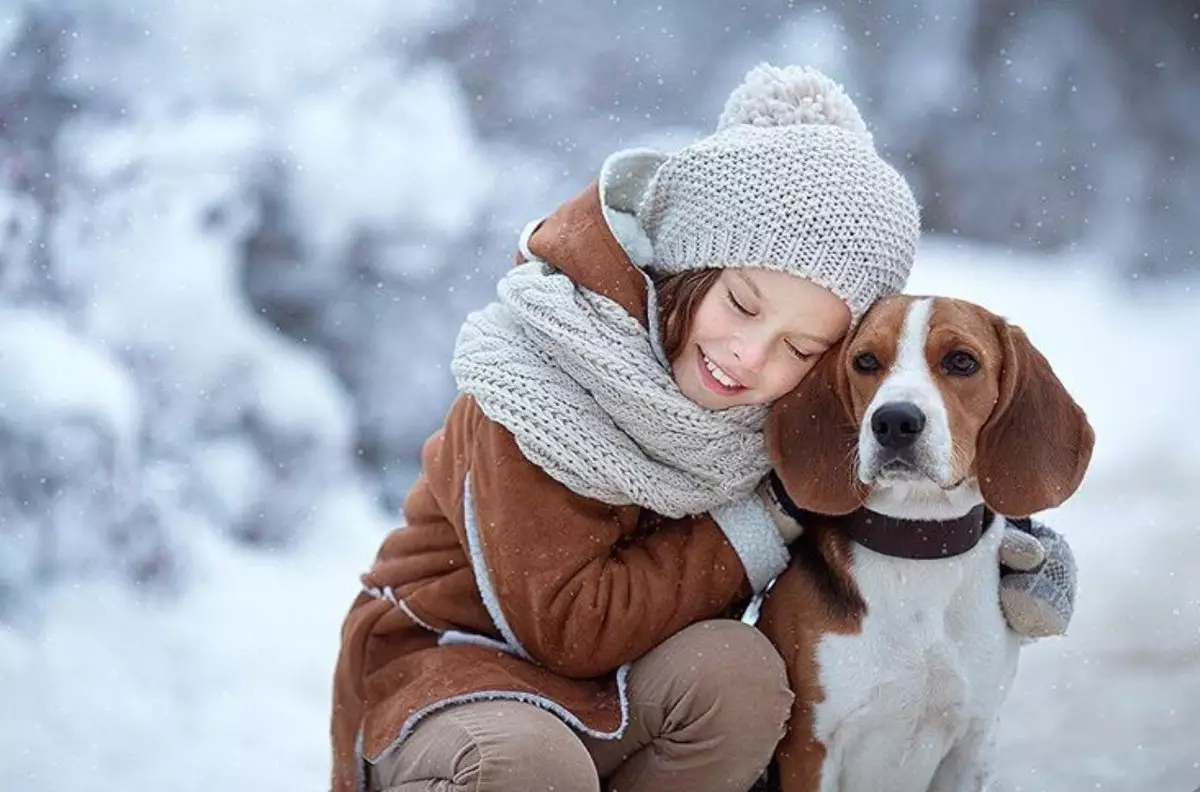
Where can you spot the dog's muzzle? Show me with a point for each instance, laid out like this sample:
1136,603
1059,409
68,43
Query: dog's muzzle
897,426
898,448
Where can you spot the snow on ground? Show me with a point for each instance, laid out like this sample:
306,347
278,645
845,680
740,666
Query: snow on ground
227,686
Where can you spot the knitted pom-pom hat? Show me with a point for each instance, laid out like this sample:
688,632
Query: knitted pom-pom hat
789,181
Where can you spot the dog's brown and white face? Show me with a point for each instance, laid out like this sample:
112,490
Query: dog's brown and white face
931,393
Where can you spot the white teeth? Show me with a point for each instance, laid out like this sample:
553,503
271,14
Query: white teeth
720,376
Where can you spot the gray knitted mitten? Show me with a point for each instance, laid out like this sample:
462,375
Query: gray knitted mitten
1037,579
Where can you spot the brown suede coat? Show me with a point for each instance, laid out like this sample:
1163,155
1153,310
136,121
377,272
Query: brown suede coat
581,588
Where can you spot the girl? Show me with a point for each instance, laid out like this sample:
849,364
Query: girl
548,617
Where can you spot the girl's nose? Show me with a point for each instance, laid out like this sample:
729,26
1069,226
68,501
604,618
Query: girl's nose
750,352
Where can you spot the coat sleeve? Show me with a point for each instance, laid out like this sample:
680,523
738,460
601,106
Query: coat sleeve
571,582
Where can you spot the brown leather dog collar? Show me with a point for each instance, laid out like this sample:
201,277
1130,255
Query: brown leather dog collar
893,536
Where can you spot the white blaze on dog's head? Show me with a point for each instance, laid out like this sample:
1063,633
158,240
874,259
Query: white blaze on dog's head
936,399
905,433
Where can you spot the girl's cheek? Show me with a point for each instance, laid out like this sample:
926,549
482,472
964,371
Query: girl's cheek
770,390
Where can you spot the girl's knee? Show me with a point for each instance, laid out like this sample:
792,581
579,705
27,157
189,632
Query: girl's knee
542,755
745,662
735,670
492,746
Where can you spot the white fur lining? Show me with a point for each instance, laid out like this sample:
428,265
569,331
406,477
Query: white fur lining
458,637
528,698
756,540
381,593
483,578
386,593
523,241
402,605
624,178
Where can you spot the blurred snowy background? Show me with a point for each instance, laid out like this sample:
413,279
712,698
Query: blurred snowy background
236,241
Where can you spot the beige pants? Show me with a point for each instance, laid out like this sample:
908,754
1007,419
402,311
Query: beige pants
707,708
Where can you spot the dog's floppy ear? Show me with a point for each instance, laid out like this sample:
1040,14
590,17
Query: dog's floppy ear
1036,446
813,440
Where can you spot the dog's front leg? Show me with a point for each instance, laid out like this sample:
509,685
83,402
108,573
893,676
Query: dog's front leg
968,766
800,758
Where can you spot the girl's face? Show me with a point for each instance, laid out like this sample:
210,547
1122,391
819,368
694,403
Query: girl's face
754,336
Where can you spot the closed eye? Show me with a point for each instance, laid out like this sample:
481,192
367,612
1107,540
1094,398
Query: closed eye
733,300
798,353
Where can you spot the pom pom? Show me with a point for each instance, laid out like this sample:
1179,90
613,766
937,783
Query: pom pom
771,96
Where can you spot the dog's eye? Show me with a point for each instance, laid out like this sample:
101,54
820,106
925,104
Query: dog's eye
866,363
960,364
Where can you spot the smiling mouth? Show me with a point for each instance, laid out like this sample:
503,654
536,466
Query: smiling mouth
715,378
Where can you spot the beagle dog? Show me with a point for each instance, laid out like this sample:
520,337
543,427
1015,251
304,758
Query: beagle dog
898,453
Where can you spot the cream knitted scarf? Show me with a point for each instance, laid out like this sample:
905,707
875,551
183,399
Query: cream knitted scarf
587,392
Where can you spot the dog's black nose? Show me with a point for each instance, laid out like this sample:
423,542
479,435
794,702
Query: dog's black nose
897,424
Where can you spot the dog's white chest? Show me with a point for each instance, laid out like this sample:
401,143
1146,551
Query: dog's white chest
923,679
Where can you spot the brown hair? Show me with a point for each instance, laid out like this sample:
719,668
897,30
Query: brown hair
679,297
